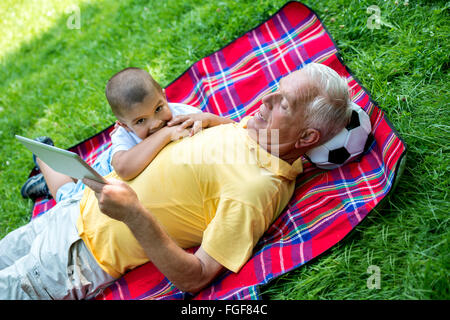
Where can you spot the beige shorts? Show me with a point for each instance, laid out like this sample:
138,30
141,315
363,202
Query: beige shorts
46,259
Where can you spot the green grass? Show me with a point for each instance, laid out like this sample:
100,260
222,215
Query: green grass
53,78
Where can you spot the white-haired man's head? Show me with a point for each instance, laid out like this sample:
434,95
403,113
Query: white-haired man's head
310,106
328,108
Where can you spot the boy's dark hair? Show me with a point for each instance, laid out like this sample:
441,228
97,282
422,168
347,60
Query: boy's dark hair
127,87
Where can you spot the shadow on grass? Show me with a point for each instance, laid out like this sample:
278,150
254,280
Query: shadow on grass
59,77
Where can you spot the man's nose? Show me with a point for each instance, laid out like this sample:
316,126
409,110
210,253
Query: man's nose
267,100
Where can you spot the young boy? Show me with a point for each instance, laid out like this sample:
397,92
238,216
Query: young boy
146,123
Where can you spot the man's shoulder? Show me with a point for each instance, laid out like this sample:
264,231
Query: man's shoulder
263,182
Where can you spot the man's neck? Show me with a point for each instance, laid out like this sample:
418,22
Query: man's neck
290,159
286,152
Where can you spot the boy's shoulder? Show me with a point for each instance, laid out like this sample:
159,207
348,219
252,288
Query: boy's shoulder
120,131
122,136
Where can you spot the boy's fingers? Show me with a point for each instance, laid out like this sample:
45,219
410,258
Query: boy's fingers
196,127
186,124
176,120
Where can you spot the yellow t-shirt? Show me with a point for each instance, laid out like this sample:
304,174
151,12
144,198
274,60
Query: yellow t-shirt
218,188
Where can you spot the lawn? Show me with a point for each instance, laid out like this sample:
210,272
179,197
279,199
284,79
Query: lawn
53,78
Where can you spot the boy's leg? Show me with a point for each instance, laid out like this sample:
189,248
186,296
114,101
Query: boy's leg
53,178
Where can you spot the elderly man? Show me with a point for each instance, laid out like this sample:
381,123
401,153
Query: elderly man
220,189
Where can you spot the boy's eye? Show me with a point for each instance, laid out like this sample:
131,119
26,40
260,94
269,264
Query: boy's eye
140,121
159,109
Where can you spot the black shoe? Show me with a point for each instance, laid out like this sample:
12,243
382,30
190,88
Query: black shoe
35,187
43,139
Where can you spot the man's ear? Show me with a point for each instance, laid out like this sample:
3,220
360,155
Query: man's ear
308,138
123,125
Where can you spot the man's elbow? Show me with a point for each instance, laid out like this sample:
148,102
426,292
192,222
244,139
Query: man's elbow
192,287
202,274
195,284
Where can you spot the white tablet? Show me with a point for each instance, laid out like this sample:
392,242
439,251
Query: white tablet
63,161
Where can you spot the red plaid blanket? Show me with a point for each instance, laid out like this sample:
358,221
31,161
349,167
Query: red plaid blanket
326,205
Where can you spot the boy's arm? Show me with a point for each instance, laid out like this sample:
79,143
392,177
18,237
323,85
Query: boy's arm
198,121
215,120
130,163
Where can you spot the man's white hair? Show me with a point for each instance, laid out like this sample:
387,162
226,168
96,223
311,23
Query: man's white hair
328,109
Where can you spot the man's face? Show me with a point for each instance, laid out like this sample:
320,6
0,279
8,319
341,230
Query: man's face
148,116
279,121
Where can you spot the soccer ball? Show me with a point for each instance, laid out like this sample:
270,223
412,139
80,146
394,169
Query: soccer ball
347,145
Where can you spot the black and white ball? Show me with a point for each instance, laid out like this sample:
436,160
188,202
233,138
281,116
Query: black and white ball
347,145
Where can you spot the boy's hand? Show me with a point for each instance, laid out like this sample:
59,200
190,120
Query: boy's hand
177,132
197,121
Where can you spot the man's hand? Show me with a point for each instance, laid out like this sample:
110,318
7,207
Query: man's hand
188,272
116,199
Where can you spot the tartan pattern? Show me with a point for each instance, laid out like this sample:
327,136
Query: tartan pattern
326,205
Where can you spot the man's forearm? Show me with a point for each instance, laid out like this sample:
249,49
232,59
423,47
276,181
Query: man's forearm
188,272
183,269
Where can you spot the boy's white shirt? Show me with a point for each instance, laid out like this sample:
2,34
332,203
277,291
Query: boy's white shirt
123,140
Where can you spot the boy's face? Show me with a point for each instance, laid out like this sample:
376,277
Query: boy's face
148,116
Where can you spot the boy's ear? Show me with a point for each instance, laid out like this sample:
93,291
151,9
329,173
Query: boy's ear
123,125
